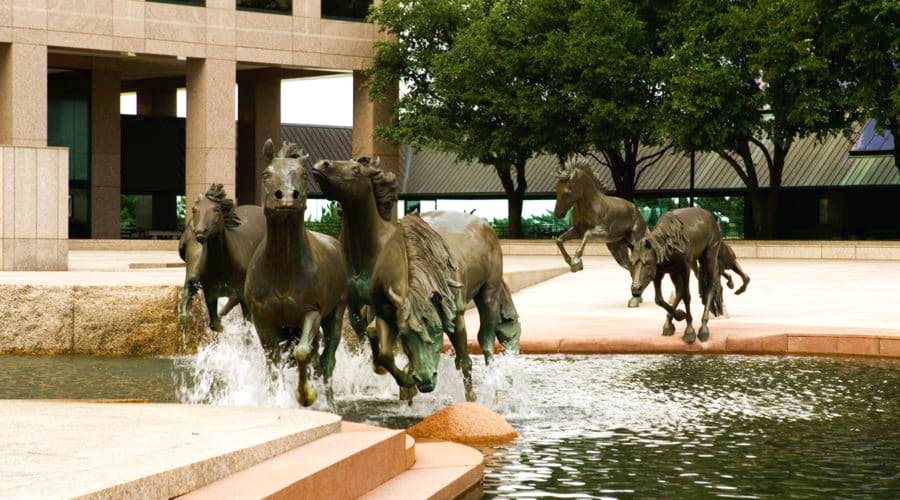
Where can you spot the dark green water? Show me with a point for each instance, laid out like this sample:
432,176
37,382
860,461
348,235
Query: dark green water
625,426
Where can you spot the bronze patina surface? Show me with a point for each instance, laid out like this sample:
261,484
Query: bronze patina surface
403,252
297,280
216,247
596,216
680,238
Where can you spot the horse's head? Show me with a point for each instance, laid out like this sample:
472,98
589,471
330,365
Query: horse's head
643,266
285,180
357,181
569,188
211,213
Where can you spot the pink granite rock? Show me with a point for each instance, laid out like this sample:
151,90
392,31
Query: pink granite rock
468,423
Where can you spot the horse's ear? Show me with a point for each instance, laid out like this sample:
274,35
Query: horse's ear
376,162
269,150
303,155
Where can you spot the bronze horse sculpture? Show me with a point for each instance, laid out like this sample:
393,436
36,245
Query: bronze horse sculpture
297,280
680,238
367,196
427,273
217,245
595,215
728,262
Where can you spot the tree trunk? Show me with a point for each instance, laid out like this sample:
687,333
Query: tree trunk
515,194
758,208
893,128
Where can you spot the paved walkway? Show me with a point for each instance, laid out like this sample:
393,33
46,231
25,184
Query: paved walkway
63,449
794,306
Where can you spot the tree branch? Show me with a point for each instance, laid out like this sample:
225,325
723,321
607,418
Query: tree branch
764,150
737,167
655,157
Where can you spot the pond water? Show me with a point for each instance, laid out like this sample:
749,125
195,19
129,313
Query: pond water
590,426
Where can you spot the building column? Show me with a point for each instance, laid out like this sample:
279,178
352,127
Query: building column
368,115
210,135
23,94
106,139
34,179
259,119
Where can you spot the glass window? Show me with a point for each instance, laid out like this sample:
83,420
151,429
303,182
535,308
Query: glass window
346,9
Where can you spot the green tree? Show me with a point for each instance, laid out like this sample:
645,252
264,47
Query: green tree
754,76
471,83
605,62
871,48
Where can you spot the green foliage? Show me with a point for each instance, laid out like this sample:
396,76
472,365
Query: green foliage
329,223
127,213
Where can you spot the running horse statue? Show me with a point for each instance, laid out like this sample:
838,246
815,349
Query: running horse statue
367,196
216,246
681,238
615,221
297,280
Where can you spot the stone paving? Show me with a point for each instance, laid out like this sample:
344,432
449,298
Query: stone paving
791,306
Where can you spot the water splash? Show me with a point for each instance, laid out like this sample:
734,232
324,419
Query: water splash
233,370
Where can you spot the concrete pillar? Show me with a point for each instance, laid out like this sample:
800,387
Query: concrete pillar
23,94
368,115
106,137
34,179
259,119
157,102
210,141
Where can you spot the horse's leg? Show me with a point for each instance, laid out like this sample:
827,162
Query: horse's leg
488,319
383,350
211,297
306,395
233,300
331,329
728,281
598,231
570,234
683,288
620,253
710,263
184,307
669,327
744,278
460,340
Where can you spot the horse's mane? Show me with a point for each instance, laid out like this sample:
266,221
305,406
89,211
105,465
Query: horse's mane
570,167
668,237
290,150
429,267
216,194
385,187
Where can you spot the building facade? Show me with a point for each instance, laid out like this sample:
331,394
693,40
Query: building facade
65,63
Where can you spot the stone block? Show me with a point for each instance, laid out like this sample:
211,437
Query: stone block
889,347
129,321
29,14
62,172
263,31
80,16
878,252
838,252
35,319
9,253
176,23
220,26
5,13
25,192
24,254
789,252
814,344
346,29
47,256
858,346
267,56
46,197
129,44
307,60
128,18
173,48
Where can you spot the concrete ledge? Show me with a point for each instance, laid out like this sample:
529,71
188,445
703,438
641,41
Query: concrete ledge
76,449
442,471
124,245
815,250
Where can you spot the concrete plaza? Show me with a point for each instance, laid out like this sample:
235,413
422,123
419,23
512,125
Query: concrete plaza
790,306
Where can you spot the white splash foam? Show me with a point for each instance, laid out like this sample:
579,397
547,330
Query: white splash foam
233,370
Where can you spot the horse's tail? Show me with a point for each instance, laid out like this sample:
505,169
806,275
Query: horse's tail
509,330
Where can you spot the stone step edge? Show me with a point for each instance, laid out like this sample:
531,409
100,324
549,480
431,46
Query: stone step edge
337,466
442,471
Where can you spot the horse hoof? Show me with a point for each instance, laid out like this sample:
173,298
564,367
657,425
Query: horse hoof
689,336
378,369
576,265
668,330
634,302
306,395
407,393
703,334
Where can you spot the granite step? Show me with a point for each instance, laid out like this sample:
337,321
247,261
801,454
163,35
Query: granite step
442,471
346,464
